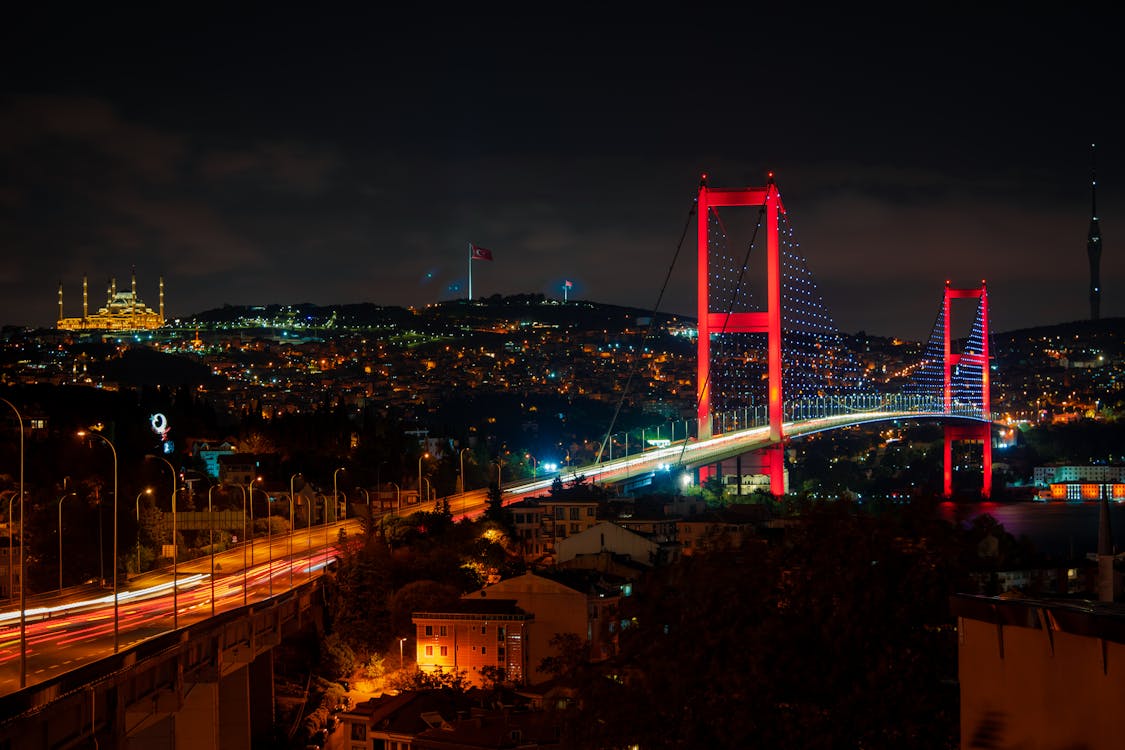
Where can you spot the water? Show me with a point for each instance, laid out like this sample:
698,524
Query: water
1056,529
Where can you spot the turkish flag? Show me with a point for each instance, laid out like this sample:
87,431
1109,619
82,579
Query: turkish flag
480,253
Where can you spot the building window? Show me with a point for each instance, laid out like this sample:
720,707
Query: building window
483,629
429,650
445,650
484,650
443,631
590,512
574,513
560,514
429,630
359,731
574,528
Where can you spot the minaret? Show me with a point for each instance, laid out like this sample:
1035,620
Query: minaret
85,299
1094,245
162,300
60,301
112,287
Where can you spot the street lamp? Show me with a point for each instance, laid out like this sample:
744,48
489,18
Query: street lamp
335,499
239,486
534,465
420,458
175,548
116,610
145,491
337,508
367,496
308,537
12,494
64,497
23,580
291,506
398,497
400,642
292,528
211,543
461,457
250,500
269,542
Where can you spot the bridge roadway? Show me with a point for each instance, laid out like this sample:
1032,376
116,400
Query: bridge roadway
697,453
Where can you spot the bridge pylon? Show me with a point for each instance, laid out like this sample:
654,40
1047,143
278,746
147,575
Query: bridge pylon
712,321
978,432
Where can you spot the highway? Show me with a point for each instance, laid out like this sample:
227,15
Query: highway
65,632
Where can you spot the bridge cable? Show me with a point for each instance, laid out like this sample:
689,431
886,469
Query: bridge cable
648,330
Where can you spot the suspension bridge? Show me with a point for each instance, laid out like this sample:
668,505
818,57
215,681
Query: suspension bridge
774,366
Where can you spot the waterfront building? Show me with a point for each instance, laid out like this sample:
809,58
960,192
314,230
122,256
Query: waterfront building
1047,475
123,311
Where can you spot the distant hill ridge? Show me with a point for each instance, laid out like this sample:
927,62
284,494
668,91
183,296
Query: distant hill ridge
536,307
529,307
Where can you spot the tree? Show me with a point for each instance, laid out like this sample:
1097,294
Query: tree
838,636
496,512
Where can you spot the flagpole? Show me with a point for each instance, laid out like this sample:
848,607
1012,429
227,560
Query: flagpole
470,273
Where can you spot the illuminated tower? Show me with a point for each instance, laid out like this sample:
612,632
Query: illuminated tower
161,299
85,299
1094,245
60,301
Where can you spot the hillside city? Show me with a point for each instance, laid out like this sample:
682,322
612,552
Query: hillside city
559,620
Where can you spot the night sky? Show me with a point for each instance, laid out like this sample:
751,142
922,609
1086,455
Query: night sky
304,155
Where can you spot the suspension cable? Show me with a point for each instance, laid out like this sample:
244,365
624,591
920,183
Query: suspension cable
652,322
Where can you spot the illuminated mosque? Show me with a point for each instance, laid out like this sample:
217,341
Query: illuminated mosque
123,311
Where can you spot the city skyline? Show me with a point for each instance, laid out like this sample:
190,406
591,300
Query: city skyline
335,160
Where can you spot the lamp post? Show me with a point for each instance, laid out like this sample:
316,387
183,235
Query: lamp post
534,465
145,491
367,496
269,542
291,506
116,610
337,508
335,499
308,538
243,543
175,548
250,500
325,527
211,543
398,497
420,458
400,642
461,457
292,527
11,568
64,497
23,580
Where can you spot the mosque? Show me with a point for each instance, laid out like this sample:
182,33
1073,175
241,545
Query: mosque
123,311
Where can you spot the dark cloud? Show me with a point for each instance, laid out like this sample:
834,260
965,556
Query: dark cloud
291,156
